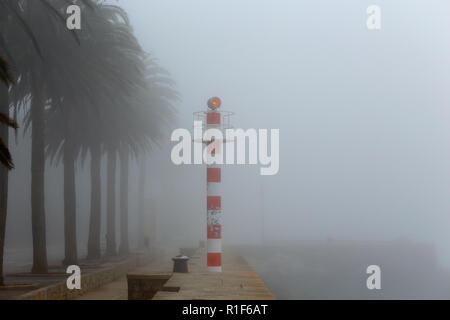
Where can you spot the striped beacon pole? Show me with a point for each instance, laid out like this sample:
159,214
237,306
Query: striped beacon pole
213,119
214,194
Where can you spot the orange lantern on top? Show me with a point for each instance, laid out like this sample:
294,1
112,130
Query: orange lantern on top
214,103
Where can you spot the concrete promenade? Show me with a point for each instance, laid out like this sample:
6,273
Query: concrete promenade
238,281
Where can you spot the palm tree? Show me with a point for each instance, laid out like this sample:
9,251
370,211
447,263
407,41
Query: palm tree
94,248
8,14
5,156
33,52
149,114
110,63
125,76
142,207
6,79
111,205
85,96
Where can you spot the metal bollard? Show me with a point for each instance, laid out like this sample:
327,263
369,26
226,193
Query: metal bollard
180,264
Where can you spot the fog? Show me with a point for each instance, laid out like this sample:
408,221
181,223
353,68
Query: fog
364,138
362,115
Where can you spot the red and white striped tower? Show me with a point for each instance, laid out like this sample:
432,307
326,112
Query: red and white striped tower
213,119
214,194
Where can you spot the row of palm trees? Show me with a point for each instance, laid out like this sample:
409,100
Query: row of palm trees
86,93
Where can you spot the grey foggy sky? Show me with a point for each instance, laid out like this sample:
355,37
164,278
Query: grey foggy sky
363,116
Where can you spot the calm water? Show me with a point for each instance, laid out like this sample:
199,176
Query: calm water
333,270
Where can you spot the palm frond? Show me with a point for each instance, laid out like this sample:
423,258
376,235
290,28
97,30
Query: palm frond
14,8
5,155
5,72
5,119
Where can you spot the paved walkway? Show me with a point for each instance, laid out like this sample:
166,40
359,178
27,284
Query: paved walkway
237,281
118,289
23,283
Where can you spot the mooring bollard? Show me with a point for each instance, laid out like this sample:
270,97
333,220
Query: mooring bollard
180,264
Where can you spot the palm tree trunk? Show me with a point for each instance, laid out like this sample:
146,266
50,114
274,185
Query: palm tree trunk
4,134
124,244
70,219
141,200
111,205
37,185
94,250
